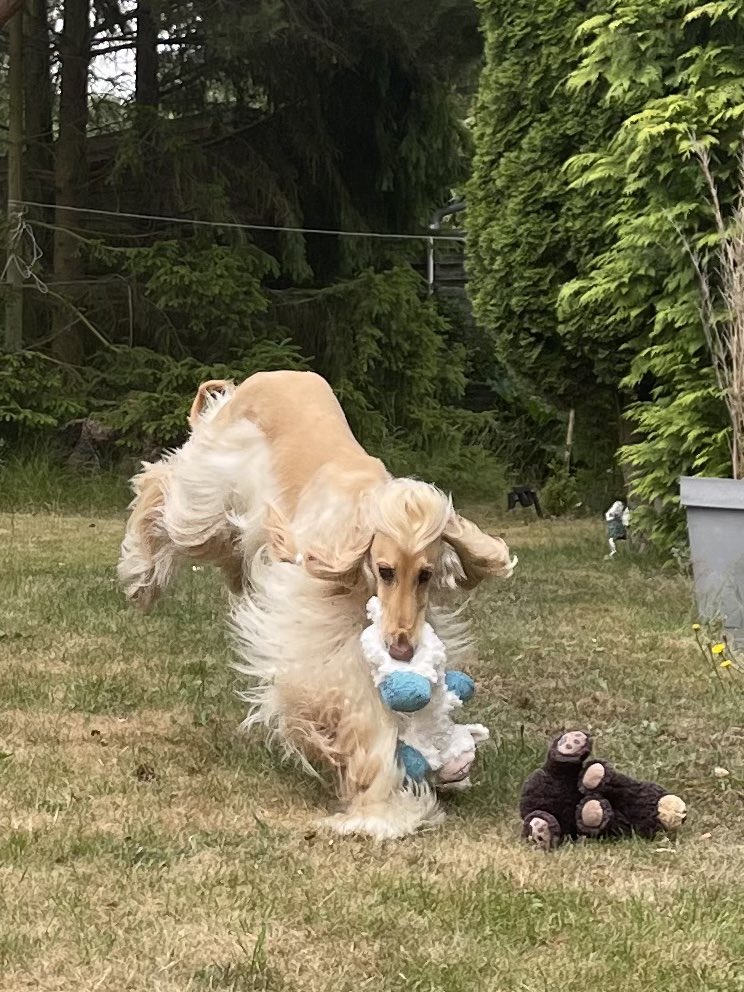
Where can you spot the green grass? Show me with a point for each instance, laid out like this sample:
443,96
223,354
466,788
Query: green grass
145,845
35,480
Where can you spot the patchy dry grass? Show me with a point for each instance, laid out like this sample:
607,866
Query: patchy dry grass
145,846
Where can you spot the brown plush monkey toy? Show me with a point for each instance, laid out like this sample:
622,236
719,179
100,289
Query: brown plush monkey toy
575,795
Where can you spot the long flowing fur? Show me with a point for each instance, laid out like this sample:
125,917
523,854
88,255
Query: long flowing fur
272,487
206,501
298,640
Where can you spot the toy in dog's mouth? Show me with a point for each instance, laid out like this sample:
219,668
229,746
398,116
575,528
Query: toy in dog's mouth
423,694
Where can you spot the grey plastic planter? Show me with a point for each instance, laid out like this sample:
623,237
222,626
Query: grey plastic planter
715,522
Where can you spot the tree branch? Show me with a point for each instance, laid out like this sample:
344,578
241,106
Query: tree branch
129,42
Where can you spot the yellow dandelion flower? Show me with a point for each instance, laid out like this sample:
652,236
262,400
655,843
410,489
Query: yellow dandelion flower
696,626
718,648
725,663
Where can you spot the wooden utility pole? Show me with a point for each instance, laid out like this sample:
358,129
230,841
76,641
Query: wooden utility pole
13,337
569,438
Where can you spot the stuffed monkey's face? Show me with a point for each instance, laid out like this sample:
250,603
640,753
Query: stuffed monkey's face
403,580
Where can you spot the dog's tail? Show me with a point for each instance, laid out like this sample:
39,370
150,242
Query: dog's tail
210,397
298,641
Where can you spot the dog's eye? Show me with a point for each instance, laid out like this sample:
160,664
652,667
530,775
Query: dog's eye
386,573
424,576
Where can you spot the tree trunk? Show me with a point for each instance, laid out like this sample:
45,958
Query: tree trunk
39,161
13,337
147,98
38,103
71,173
7,9
146,92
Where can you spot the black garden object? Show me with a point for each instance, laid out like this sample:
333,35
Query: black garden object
524,496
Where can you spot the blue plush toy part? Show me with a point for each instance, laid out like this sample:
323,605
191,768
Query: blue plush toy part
461,684
415,764
405,692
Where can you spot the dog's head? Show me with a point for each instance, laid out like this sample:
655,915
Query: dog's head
406,541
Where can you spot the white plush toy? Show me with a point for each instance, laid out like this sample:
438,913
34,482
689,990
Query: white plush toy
423,696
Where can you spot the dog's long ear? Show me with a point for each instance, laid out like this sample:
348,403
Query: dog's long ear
339,546
202,395
336,554
480,554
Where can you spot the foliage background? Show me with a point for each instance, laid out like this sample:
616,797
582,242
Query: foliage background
582,185
567,126
341,115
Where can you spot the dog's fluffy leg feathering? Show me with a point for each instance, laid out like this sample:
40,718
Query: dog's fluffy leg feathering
205,501
297,638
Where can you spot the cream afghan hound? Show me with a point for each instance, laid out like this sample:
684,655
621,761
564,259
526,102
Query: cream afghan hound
273,488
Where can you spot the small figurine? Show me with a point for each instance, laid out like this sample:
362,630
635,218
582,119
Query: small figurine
618,523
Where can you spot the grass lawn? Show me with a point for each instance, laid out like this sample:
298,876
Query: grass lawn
144,845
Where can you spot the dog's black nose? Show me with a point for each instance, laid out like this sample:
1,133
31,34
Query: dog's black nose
401,650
